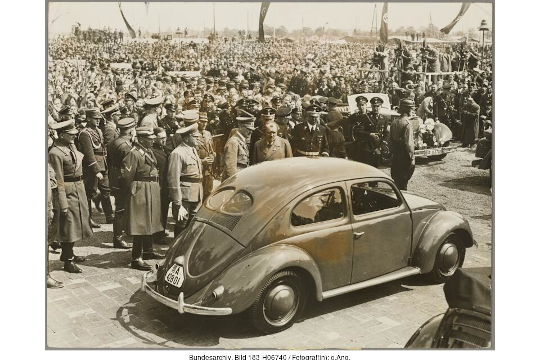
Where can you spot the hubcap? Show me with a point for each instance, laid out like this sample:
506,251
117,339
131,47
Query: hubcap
280,304
448,259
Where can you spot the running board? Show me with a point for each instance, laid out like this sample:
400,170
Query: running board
401,273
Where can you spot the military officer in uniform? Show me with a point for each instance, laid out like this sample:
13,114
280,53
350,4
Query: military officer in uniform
116,152
151,109
236,151
170,124
66,162
92,145
309,138
402,145
267,114
110,129
143,206
205,148
366,135
162,156
353,122
184,178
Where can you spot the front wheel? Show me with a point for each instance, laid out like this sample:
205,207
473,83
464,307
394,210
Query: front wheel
280,302
449,258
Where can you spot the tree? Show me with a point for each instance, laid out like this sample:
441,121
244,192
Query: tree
282,31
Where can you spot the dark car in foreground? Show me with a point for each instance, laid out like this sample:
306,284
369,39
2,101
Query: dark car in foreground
279,232
467,322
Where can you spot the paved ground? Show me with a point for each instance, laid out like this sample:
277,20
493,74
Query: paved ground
104,308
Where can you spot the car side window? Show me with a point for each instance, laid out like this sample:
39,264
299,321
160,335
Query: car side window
328,204
368,197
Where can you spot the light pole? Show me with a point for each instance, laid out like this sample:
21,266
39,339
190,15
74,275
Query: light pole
483,28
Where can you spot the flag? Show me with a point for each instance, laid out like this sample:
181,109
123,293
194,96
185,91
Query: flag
130,29
450,26
384,24
264,10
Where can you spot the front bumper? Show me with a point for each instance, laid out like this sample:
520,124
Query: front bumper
151,276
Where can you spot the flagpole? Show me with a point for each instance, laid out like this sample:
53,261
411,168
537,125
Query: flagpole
214,19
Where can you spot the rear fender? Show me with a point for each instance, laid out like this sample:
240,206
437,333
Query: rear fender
437,229
243,281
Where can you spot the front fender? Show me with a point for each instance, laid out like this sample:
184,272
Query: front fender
244,280
438,228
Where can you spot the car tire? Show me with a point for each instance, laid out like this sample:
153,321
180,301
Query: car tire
449,257
280,302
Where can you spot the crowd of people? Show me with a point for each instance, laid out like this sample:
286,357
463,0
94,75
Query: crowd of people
156,132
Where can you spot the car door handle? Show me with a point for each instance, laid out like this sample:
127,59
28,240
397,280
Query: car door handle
357,235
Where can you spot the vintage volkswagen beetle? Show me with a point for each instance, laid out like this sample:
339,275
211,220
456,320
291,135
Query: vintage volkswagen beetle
281,231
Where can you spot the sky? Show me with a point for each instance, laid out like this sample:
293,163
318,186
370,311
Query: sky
241,15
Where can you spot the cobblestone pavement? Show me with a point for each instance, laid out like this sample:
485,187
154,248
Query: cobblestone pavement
104,308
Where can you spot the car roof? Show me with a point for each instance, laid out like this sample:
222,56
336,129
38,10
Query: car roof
272,181
274,184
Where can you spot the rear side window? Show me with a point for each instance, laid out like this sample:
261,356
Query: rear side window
368,197
220,198
328,204
228,202
238,204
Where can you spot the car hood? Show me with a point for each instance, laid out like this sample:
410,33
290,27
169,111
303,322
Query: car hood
204,251
416,202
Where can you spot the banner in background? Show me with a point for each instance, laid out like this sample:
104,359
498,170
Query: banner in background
384,24
264,10
130,29
450,26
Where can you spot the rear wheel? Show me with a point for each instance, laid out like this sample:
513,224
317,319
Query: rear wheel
449,258
280,302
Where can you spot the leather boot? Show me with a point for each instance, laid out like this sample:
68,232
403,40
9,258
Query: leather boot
107,209
55,245
93,224
97,199
71,267
148,250
119,243
136,254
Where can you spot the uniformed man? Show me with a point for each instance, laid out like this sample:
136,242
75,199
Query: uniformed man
236,152
366,136
184,178
116,152
130,98
309,138
271,147
170,124
336,140
205,148
110,129
402,145
92,145
66,162
267,114
162,156
53,215
283,119
140,174
151,110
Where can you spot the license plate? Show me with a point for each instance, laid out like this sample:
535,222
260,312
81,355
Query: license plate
175,275
430,152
